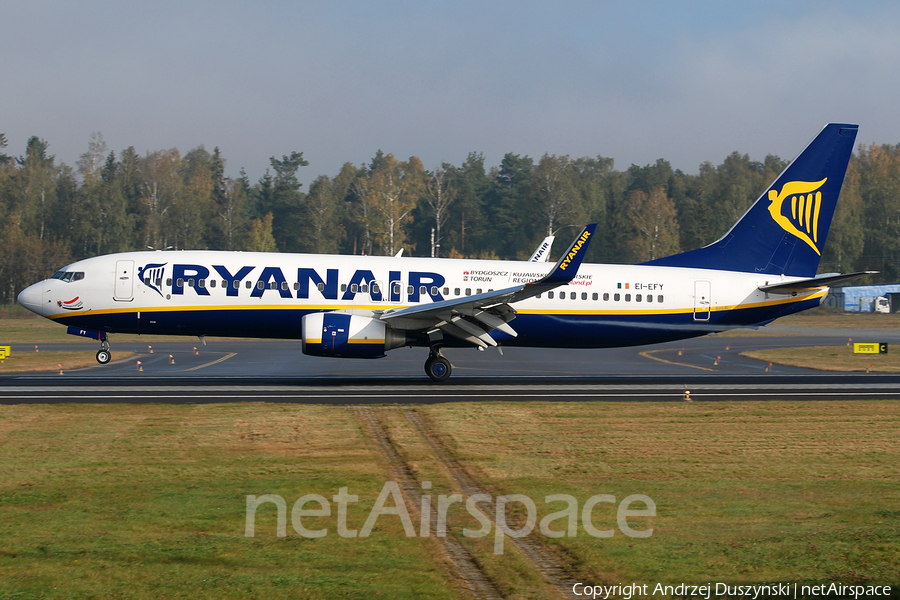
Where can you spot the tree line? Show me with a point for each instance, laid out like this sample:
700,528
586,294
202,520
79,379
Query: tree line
52,214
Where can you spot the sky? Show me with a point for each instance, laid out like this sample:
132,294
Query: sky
338,80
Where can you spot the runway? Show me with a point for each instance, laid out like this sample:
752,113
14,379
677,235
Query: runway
711,368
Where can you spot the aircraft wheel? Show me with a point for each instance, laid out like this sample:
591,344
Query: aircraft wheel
438,368
103,356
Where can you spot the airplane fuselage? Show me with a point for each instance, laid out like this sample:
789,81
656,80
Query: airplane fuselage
266,295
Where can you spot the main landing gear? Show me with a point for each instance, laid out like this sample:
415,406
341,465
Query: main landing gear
103,354
437,367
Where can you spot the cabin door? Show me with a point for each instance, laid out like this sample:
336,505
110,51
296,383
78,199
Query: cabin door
702,300
124,280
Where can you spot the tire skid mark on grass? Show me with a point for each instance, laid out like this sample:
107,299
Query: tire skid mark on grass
463,562
543,562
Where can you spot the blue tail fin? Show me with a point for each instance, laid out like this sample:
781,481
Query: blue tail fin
784,231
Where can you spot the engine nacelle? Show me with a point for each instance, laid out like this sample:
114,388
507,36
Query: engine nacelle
346,335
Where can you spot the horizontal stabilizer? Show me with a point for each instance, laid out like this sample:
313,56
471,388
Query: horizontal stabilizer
812,282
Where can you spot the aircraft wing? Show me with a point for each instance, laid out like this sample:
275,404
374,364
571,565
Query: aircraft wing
812,283
470,318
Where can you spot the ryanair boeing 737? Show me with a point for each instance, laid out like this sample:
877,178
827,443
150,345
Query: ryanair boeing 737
362,306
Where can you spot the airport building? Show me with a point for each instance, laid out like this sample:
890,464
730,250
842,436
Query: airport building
865,298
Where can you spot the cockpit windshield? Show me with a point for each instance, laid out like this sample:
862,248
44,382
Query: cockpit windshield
68,276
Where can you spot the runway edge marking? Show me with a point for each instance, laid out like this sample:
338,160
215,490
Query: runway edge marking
209,364
649,354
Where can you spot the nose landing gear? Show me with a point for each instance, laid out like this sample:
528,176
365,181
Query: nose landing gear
103,354
437,367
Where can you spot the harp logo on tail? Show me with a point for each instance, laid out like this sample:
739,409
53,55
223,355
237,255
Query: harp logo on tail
802,218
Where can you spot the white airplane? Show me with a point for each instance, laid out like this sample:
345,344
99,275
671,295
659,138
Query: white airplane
362,306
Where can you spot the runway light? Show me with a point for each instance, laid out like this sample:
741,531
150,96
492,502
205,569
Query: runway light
195,351
680,351
171,360
718,358
150,348
60,368
36,349
140,366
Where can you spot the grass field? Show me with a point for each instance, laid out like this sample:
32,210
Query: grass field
829,358
149,501
29,362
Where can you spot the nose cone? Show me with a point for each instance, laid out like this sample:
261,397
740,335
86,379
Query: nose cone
32,298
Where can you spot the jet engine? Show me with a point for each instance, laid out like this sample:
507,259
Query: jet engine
347,335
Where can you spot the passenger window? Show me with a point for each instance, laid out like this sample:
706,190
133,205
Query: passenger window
354,288
456,291
446,291
260,285
159,283
375,288
364,288
468,291
180,282
146,281
296,285
201,283
273,285
212,283
478,291
320,287
659,298
616,297
235,284
249,284
606,296
169,281
343,287
573,295
191,282
284,285
649,297
434,290
584,296
410,290
637,297
396,289
423,290
595,296
627,297
538,296
550,295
